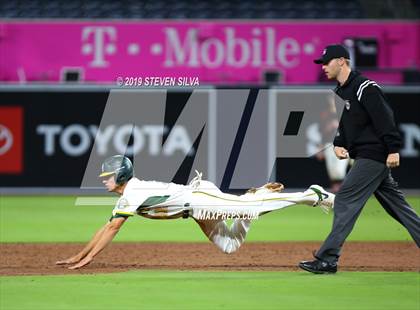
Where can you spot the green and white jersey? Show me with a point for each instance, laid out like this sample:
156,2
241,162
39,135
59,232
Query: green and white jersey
203,200
151,199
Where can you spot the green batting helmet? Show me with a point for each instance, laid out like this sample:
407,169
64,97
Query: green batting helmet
119,165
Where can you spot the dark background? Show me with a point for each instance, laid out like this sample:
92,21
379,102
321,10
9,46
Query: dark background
86,107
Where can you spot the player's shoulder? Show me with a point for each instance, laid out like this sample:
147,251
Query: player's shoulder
136,189
135,183
132,189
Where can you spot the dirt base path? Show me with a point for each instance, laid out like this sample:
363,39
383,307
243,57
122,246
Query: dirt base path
37,259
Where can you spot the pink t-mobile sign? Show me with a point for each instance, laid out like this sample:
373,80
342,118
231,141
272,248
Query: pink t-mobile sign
220,52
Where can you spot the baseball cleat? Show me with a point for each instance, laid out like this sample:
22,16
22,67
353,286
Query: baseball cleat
319,267
325,199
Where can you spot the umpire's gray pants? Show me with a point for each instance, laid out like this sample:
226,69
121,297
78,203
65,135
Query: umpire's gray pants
365,178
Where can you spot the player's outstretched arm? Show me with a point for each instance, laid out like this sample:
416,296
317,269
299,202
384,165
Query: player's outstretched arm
109,232
79,256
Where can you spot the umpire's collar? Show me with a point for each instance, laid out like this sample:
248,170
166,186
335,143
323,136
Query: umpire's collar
352,76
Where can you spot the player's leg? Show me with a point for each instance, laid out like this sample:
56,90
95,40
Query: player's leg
269,191
207,198
393,201
315,195
228,239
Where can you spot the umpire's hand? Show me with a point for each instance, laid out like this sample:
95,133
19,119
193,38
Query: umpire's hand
341,152
393,160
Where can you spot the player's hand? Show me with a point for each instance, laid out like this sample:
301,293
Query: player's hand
70,260
393,160
341,152
82,263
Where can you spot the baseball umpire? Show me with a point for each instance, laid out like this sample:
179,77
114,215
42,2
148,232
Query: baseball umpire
368,134
201,200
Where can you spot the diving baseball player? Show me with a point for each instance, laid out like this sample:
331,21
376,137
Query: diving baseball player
200,200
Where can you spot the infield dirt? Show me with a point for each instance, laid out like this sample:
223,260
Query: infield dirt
39,258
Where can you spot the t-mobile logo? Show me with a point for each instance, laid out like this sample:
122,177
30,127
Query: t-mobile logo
99,41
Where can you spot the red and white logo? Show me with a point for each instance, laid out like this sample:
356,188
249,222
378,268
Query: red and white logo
11,140
6,139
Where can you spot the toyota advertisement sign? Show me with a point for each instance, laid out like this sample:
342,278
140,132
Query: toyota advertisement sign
48,138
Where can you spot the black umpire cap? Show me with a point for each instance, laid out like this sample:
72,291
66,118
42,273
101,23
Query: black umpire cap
331,52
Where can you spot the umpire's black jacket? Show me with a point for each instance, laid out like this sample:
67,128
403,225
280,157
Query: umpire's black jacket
367,128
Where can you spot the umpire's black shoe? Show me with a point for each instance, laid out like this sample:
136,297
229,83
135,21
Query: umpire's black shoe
318,266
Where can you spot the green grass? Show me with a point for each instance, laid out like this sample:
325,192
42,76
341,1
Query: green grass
57,219
212,290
